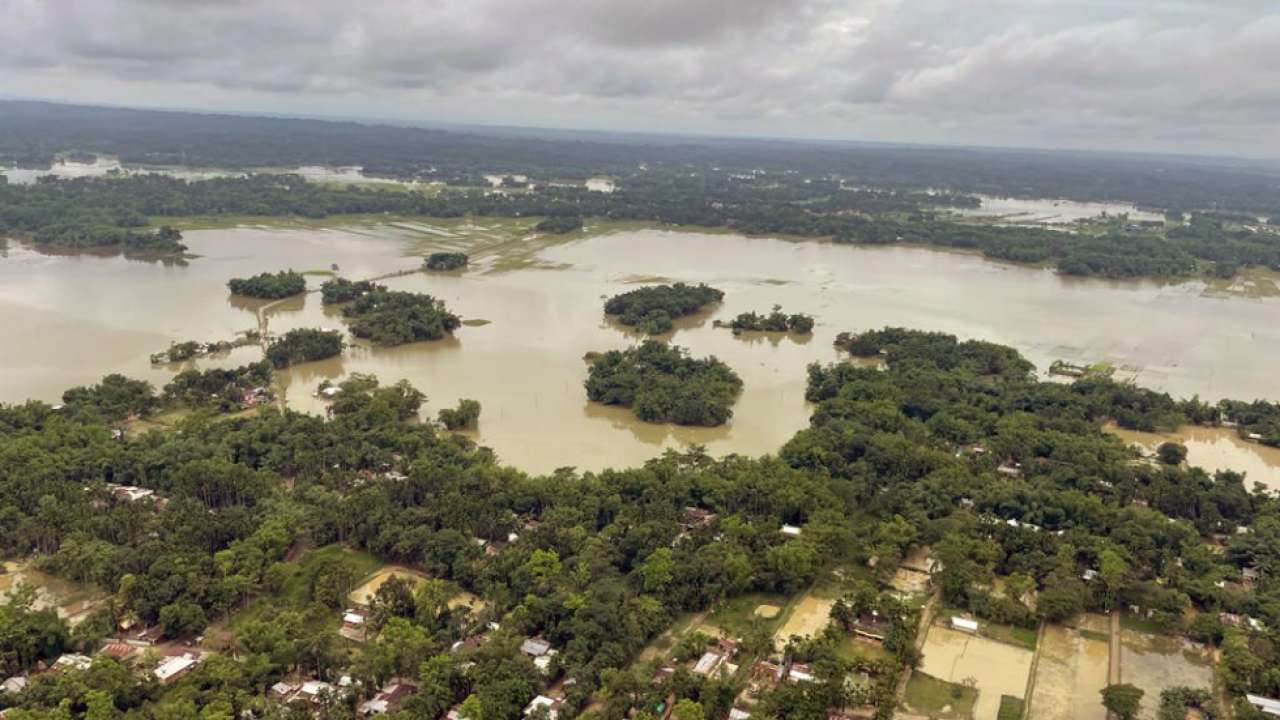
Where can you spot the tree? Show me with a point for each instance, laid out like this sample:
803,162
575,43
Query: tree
686,709
1172,453
1124,700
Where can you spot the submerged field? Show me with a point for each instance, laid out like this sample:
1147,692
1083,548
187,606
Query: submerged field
531,305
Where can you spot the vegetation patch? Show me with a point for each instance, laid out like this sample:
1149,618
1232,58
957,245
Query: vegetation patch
1011,708
269,286
342,290
775,321
393,317
939,699
463,417
304,345
663,384
652,308
445,261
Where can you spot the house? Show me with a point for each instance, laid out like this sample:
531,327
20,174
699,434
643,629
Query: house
314,691
964,624
354,626
1265,705
71,661
1011,468
1089,575
790,531
175,666
872,625
14,685
535,647
800,672
696,516
283,691
119,651
708,664
390,699
737,714
543,662
767,672
1256,437
552,705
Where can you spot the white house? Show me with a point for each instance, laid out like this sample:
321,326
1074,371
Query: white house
1265,704
172,668
791,531
964,624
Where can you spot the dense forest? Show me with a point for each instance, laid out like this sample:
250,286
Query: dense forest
599,563
392,317
34,133
661,383
269,286
652,308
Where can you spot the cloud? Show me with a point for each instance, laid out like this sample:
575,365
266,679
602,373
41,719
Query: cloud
1181,75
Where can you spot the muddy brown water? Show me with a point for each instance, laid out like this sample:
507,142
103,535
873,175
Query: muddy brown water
1213,449
73,319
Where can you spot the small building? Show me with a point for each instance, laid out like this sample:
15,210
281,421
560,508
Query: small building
14,685
543,662
964,624
354,626
790,531
119,651
738,714
283,691
767,672
175,666
708,664
552,705
71,661
535,647
1265,705
1011,469
800,672
390,699
1089,575
314,691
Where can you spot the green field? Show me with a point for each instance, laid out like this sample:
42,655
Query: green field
1011,708
295,592
939,699
737,616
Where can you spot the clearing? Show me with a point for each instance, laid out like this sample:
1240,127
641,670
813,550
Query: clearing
364,593
808,618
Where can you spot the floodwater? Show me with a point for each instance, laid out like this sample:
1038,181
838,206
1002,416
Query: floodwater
1213,449
995,668
105,166
1052,211
1070,674
80,317
1157,662
72,601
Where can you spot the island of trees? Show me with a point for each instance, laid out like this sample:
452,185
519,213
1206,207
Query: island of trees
269,286
191,349
271,520
304,345
776,321
392,317
661,383
463,417
341,290
446,261
652,308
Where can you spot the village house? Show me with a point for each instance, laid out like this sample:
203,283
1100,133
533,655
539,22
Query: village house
1264,705
119,651
175,666
354,626
390,699
71,661
535,647
800,672
697,517
964,624
790,531
14,685
551,704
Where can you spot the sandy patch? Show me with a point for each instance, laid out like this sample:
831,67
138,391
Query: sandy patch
994,668
768,612
810,617
364,594
465,599
909,582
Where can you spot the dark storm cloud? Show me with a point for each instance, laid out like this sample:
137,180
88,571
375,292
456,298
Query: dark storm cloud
1187,74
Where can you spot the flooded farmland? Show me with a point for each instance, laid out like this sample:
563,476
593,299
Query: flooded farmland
1070,673
1213,449
86,316
992,668
72,601
1156,662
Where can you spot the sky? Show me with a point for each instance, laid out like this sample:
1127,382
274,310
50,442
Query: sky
1187,76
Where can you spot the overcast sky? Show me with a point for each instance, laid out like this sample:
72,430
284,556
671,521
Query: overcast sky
1171,75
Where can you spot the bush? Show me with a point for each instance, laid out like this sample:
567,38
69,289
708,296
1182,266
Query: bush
653,308
445,261
462,417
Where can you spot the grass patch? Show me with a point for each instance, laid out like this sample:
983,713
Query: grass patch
939,699
1142,625
1094,635
1011,708
295,591
738,615
854,650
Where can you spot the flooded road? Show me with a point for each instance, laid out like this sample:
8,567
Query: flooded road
81,317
